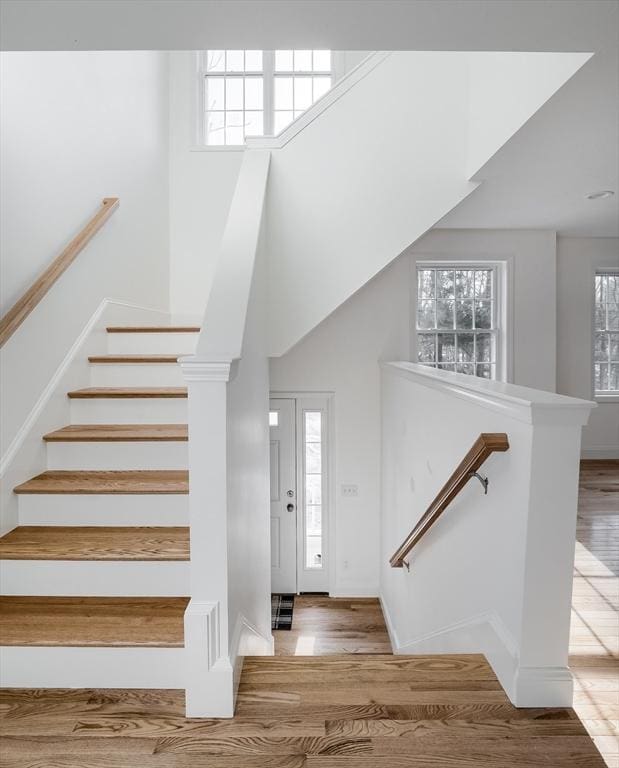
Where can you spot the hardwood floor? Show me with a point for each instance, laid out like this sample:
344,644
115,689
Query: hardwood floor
371,710
594,640
352,711
323,625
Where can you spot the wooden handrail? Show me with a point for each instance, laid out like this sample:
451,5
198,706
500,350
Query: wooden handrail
24,306
485,444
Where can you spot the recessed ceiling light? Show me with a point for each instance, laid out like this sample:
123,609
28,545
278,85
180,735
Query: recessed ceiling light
600,195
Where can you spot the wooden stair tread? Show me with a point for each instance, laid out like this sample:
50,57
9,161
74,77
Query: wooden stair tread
117,433
93,621
153,329
118,481
133,358
127,392
33,542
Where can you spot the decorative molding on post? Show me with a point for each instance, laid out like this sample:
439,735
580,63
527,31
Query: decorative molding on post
210,677
195,369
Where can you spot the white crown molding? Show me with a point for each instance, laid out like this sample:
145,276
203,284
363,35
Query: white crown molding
196,369
531,406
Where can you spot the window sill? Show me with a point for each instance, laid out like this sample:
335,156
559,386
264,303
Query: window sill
218,148
611,397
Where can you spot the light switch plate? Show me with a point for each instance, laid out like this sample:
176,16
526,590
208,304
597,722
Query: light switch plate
350,490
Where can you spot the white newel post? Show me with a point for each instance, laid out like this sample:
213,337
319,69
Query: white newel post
209,686
543,677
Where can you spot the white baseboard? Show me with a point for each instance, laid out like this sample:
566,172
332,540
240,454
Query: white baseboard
361,590
247,640
599,453
543,687
487,634
393,637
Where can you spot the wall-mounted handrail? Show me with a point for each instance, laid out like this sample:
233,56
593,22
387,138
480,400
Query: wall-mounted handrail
24,306
486,444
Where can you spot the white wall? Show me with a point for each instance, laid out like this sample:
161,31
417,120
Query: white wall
77,127
577,260
350,192
201,187
508,600
249,543
202,183
341,355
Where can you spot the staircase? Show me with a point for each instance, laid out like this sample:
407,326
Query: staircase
95,578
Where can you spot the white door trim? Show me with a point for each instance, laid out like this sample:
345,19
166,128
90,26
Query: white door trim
328,399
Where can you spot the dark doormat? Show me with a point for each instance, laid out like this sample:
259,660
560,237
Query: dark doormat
282,607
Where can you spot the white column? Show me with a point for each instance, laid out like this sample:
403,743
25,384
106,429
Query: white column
210,684
543,677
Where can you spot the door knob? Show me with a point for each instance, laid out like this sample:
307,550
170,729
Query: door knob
290,507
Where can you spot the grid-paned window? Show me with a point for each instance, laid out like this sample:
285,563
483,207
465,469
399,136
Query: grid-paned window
457,319
606,341
233,96
300,79
313,477
259,93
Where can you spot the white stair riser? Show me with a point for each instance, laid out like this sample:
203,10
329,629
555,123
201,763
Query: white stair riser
156,410
152,343
61,667
103,509
82,578
117,455
136,375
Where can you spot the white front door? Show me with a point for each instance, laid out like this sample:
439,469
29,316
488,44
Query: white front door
299,494
283,496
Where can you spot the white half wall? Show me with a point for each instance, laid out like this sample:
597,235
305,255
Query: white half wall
78,127
577,260
511,599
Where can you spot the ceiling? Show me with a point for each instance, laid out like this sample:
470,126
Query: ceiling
538,180
570,147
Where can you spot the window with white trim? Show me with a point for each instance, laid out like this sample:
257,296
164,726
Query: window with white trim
258,93
457,318
606,333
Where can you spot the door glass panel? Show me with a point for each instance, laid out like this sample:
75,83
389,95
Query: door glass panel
312,471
